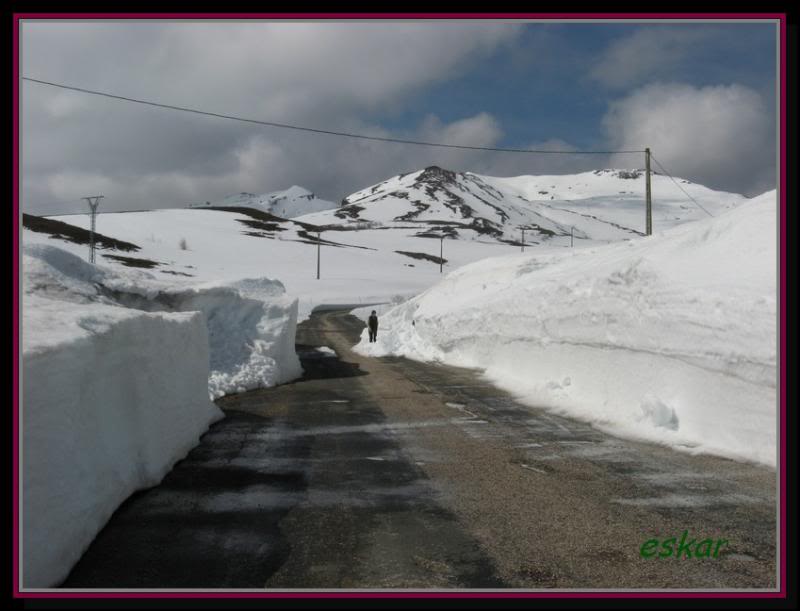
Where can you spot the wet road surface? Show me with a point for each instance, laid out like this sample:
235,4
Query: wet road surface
388,473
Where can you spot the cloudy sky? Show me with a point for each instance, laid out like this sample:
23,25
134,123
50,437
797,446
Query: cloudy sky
702,96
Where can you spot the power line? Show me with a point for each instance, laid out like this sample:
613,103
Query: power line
322,131
663,169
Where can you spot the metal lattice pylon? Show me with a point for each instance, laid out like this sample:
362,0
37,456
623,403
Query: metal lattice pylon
94,202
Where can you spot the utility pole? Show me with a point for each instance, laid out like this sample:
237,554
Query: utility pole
93,201
648,199
571,232
319,243
441,252
523,239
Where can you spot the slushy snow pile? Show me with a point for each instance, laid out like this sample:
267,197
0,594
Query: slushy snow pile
670,338
116,387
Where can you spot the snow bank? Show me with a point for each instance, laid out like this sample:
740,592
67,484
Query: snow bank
112,398
671,338
117,372
251,329
259,339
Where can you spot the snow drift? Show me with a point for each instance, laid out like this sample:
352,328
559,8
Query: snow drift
117,372
671,338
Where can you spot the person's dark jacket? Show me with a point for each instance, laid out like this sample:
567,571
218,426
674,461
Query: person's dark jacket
373,322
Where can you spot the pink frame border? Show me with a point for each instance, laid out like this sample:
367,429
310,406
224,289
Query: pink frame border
781,17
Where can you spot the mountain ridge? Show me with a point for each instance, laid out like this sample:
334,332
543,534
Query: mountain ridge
604,204
288,203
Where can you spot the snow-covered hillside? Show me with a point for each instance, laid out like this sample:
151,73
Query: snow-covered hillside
368,255
672,338
187,247
294,201
604,205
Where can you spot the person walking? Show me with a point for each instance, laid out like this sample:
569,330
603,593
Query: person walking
373,327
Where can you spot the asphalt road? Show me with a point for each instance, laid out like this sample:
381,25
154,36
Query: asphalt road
388,473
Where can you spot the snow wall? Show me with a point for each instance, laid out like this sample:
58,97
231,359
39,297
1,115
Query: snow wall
670,338
251,329
114,395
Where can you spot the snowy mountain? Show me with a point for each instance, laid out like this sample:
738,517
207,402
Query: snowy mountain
384,242
292,202
603,205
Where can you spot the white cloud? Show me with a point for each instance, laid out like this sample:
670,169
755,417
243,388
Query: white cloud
324,75
480,130
339,76
267,159
647,54
78,184
721,136
264,69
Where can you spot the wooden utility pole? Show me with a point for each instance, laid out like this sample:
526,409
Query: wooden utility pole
319,244
571,232
523,239
648,199
93,201
441,252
